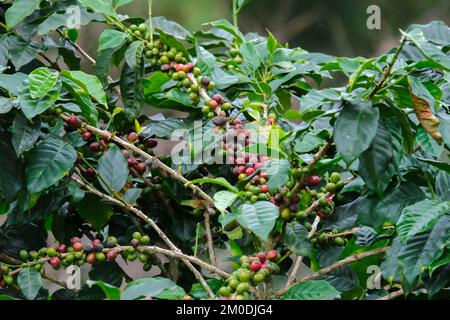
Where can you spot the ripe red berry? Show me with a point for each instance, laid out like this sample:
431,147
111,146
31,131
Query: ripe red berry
132,136
111,255
313,181
74,121
218,98
62,248
90,258
213,104
241,169
255,266
264,188
55,262
140,167
261,256
179,67
132,162
151,143
96,242
257,165
188,67
95,146
321,215
249,171
87,135
272,255
77,246
330,199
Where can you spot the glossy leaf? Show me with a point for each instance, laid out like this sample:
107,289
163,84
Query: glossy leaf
355,128
48,163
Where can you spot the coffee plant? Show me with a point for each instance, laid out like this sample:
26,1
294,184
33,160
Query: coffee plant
282,161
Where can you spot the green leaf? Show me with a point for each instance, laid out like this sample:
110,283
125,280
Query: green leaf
428,143
113,169
48,163
227,26
25,134
198,292
296,239
5,105
90,84
164,128
220,181
259,217
29,281
423,249
223,199
435,163
133,55
355,128
132,92
94,211
156,287
42,80
430,51
10,176
108,272
19,10
315,98
442,186
111,292
100,6
307,143
154,83
57,20
251,57
31,107
171,28
277,172
111,39
312,290
21,52
83,101
390,207
13,82
375,164
420,217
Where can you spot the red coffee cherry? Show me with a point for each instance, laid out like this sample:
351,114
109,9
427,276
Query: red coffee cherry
313,181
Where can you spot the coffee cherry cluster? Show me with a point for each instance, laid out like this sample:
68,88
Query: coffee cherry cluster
5,278
216,105
133,253
253,271
235,58
145,144
321,239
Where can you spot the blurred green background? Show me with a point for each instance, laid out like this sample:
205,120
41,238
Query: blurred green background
336,27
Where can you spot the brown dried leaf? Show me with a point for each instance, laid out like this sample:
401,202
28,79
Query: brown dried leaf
426,117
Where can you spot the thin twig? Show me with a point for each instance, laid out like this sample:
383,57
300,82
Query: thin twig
392,295
388,70
161,165
338,264
212,255
138,213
